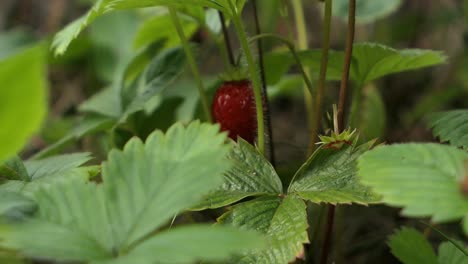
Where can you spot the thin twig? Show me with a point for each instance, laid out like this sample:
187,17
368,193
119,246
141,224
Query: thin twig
269,128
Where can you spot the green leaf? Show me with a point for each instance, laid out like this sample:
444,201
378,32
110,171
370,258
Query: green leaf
366,11
370,61
57,242
372,115
158,75
87,125
450,254
165,28
283,220
56,165
14,41
174,162
425,179
330,176
189,244
143,187
15,204
373,61
14,169
106,103
63,39
410,247
451,126
20,115
278,63
112,49
251,175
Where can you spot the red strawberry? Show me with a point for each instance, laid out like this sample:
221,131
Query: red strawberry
234,109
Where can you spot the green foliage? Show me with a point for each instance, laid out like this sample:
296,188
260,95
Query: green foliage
162,70
366,11
451,126
143,187
373,115
191,243
451,254
13,204
330,175
14,41
370,61
251,175
163,25
411,247
14,169
87,125
31,175
373,61
283,220
63,39
56,165
29,110
425,179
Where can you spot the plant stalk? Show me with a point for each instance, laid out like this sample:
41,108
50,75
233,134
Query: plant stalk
258,31
328,234
301,28
227,39
236,19
340,116
317,119
293,51
192,63
347,64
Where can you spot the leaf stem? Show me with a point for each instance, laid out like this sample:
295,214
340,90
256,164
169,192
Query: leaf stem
328,234
192,63
293,51
258,31
323,75
340,117
347,64
301,28
227,39
253,75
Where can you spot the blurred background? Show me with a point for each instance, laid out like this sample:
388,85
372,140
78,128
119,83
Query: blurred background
395,112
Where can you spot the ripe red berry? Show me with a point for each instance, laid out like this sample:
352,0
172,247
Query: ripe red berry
234,109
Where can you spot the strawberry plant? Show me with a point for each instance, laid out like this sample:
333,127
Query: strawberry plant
177,155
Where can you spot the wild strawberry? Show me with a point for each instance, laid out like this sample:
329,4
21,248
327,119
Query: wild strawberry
234,109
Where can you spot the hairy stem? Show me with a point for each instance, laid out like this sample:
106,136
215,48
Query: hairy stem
347,64
258,31
236,19
191,62
298,10
317,119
